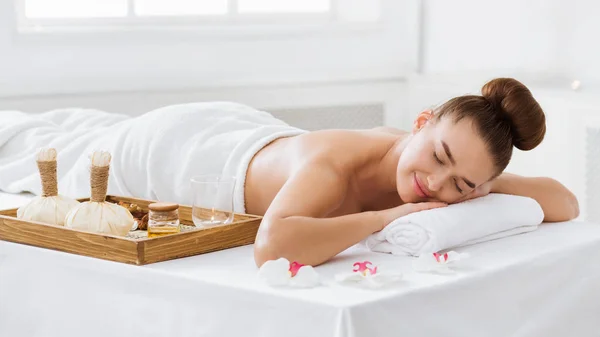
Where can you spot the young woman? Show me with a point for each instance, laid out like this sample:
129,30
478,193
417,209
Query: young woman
322,192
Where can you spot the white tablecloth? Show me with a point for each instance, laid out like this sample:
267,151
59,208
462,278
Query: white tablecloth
544,283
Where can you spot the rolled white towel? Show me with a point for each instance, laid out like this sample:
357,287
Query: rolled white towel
483,219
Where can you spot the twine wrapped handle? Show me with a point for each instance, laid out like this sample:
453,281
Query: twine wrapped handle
46,162
99,183
48,174
99,175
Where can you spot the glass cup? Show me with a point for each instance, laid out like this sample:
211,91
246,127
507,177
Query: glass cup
213,200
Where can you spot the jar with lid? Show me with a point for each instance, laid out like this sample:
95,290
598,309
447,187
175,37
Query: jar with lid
163,219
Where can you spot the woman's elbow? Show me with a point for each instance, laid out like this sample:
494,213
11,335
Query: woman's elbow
270,243
574,206
566,208
264,253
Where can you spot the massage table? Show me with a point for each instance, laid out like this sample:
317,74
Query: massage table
544,283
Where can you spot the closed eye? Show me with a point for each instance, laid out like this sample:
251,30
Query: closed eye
437,159
458,188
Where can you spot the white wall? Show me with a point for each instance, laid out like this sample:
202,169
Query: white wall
390,94
542,40
554,39
583,49
33,65
472,35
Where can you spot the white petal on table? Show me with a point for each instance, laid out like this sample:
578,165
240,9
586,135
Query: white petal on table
377,280
306,277
349,277
455,256
428,262
383,279
275,272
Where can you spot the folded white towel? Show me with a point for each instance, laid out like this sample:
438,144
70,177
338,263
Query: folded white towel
483,219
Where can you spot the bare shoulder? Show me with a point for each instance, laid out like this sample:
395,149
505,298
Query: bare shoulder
324,167
326,159
289,166
390,130
338,144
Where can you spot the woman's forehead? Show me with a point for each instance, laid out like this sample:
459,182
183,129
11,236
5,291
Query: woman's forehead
459,131
467,148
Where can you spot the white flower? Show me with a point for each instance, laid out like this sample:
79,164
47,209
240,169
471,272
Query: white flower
280,273
436,262
364,275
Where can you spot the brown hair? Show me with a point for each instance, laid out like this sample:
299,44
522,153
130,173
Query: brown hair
505,115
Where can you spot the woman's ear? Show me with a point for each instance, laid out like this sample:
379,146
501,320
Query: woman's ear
422,119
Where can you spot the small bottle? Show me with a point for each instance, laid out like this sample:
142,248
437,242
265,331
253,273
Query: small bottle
163,219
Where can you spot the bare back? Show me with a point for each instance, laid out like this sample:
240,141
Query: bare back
351,154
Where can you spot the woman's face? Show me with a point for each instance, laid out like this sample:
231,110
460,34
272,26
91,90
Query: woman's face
442,161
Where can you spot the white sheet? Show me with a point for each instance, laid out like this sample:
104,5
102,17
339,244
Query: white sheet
9,200
153,155
544,283
478,220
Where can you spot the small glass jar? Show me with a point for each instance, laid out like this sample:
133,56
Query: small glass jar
163,219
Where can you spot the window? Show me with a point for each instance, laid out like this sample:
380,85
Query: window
45,14
38,9
123,8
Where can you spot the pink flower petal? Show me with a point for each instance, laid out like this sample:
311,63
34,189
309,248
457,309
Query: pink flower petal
441,257
437,262
364,267
294,267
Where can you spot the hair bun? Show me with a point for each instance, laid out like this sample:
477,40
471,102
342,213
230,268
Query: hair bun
514,101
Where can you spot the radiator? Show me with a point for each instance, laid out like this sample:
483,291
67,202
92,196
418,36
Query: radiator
361,116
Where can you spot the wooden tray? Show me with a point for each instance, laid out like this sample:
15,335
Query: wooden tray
133,250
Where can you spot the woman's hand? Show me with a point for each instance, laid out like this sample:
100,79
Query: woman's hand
391,214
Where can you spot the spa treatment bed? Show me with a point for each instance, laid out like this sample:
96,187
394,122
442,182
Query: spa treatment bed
542,283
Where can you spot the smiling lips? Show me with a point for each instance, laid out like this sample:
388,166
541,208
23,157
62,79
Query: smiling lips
419,188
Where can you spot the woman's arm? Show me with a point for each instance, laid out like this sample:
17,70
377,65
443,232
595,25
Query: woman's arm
293,226
558,203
